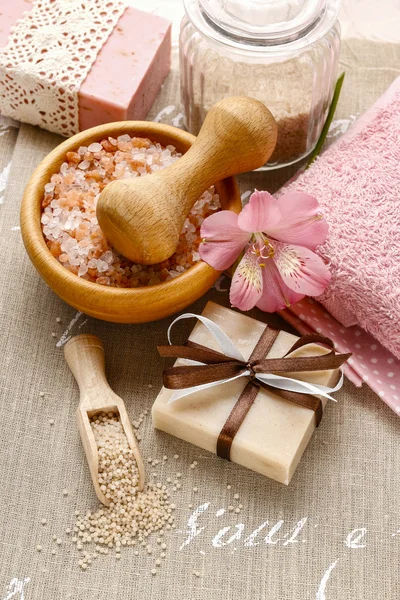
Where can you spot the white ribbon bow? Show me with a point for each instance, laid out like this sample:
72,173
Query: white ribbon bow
229,349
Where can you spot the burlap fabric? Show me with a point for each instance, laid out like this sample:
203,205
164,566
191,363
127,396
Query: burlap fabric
344,498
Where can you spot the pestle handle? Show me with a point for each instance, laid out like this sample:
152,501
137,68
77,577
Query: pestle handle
85,357
238,135
143,217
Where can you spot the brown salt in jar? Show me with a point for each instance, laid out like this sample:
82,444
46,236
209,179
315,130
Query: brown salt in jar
284,53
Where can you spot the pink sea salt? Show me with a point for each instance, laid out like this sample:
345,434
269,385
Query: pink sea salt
69,221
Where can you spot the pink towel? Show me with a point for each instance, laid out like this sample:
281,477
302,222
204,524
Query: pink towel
357,183
370,362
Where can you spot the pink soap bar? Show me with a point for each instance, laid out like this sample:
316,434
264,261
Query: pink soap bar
129,70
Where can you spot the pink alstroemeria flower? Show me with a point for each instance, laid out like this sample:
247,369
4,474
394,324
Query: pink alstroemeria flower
279,266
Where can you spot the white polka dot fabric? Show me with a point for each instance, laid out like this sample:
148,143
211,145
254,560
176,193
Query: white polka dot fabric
370,362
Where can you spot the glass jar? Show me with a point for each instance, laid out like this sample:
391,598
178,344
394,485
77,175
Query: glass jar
282,52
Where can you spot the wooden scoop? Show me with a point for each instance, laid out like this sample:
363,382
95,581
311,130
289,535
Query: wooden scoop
143,217
85,357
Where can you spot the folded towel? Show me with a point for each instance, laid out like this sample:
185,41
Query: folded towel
370,362
357,183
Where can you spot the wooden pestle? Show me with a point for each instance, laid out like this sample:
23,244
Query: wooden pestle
143,217
85,357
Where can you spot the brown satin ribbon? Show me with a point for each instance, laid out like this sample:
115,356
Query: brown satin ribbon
218,366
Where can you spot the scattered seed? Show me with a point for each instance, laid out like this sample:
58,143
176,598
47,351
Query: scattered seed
176,455
43,522
236,496
39,548
154,571
195,489
51,421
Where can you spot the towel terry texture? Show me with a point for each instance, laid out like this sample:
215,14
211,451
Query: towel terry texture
357,183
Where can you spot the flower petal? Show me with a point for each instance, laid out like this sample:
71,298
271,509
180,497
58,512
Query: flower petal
260,213
302,270
224,239
246,286
301,221
276,294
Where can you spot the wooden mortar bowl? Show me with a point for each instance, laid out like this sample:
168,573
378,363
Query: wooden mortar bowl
119,305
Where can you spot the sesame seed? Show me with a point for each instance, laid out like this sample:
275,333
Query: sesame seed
41,394
65,492
154,571
39,548
195,489
176,455
228,487
132,515
236,496
51,421
58,319
43,522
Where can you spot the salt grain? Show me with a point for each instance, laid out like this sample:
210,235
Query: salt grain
95,147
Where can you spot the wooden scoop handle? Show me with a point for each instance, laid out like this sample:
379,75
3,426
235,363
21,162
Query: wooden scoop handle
143,217
85,357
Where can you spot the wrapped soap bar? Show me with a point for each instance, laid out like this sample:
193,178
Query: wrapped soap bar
131,61
275,431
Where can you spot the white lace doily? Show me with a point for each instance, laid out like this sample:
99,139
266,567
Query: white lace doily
49,53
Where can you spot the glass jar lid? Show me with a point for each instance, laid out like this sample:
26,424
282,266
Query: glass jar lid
263,23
